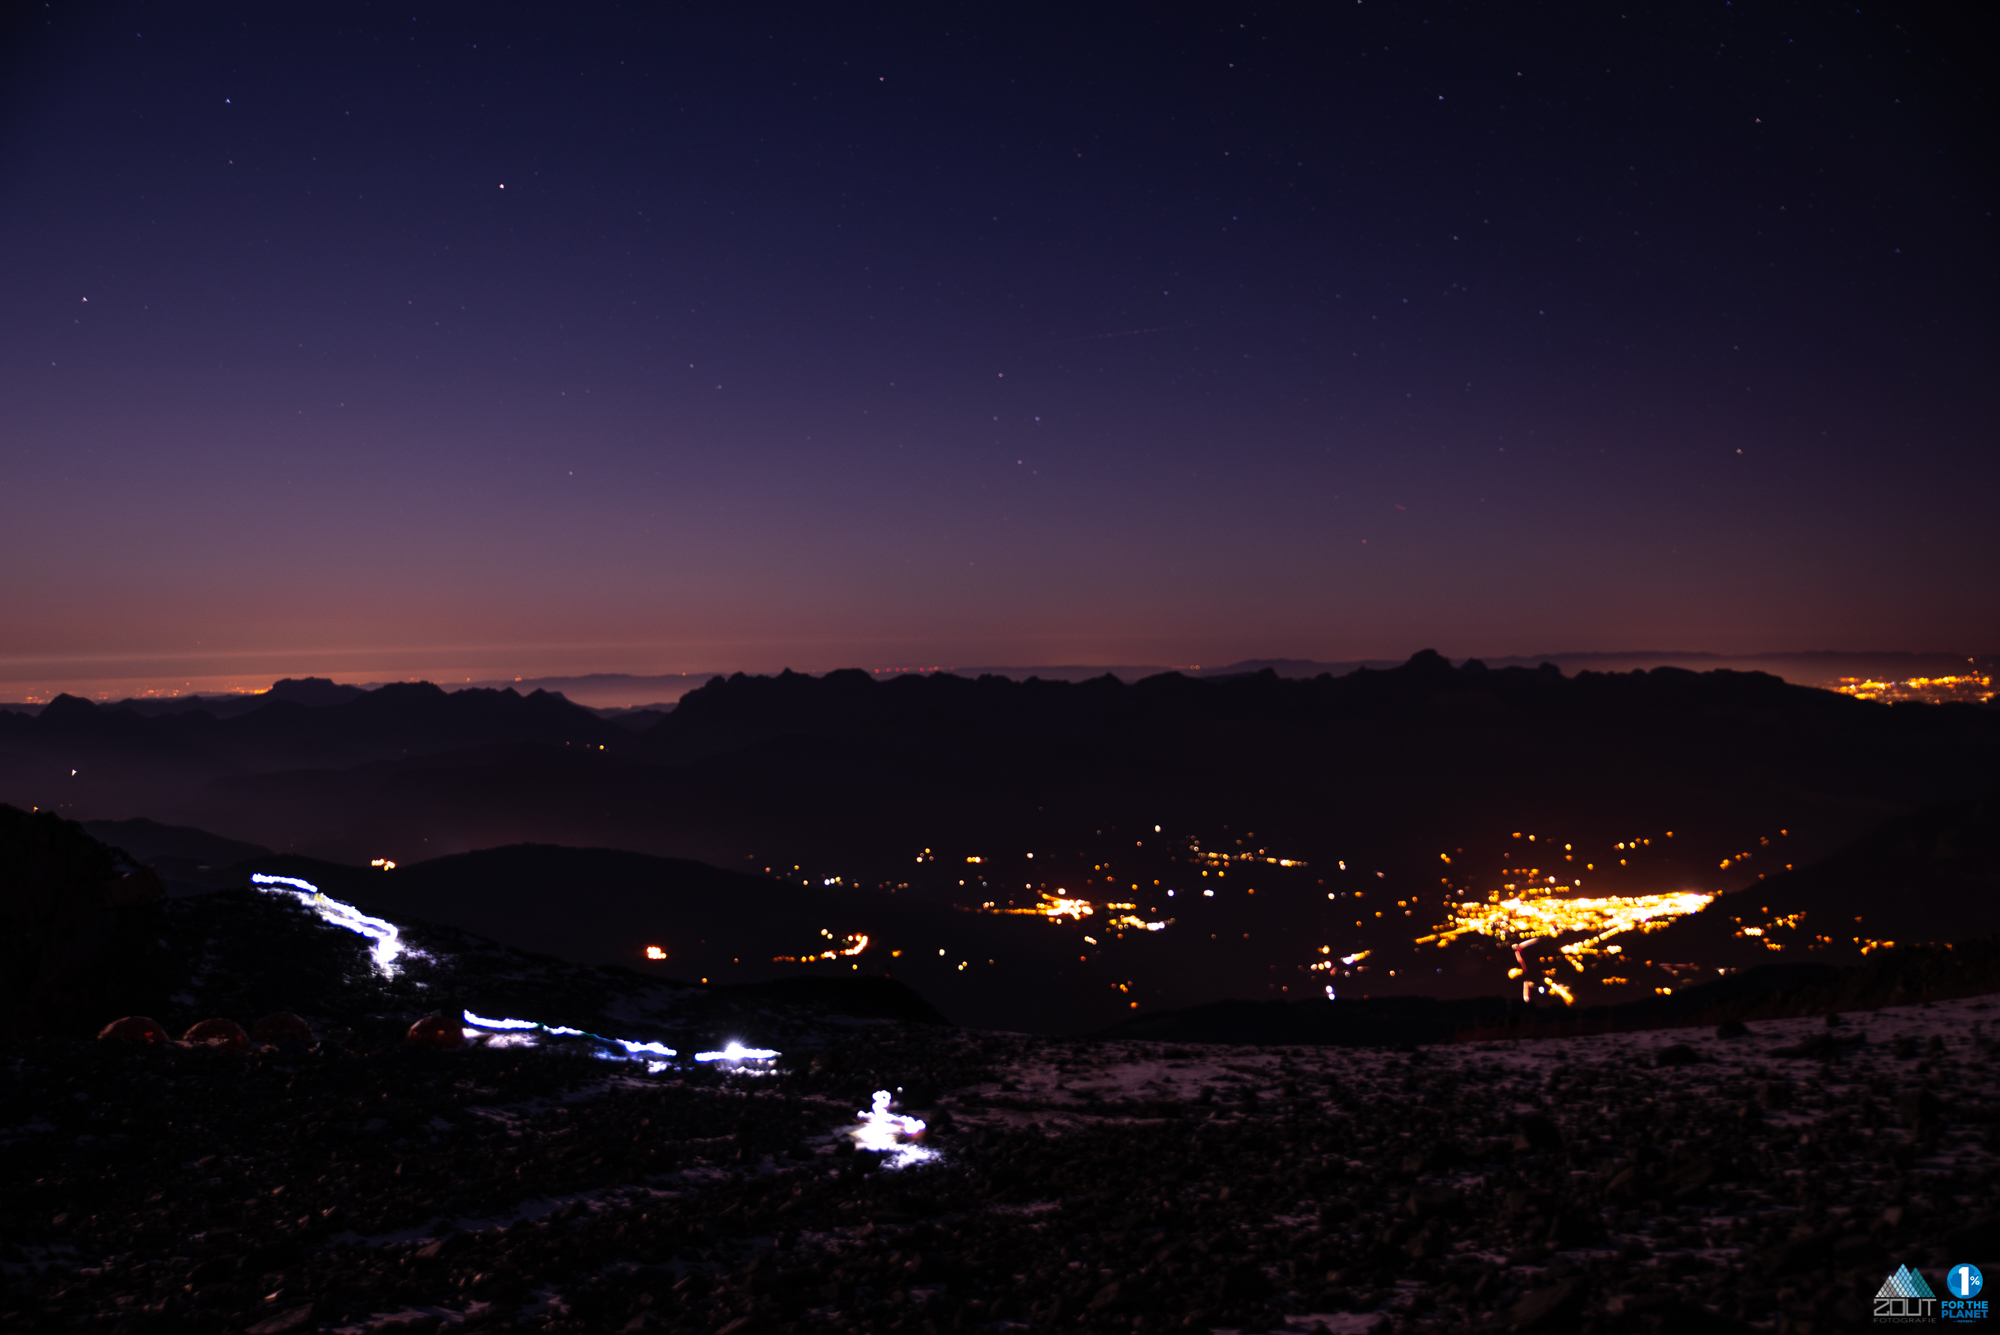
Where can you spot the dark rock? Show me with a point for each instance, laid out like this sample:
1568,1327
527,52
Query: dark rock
917,1095
1575,1227
1857,1250
1666,1314
1536,1132
1820,1047
1976,1241
1695,1174
1546,1309
1731,1029
213,1269
1243,1281
1436,1158
1427,1202
291,1319
1914,1106
1677,1054
1799,1253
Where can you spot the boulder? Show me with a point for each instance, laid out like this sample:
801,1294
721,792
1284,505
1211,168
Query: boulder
1536,1132
1551,1308
1915,1106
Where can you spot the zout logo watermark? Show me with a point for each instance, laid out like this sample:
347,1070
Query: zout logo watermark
1905,1298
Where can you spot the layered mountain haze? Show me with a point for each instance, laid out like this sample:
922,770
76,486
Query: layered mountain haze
1059,855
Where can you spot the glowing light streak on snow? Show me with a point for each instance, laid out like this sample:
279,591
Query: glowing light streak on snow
482,1022
736,1052
388,944
506,1033
889,1133
511,1040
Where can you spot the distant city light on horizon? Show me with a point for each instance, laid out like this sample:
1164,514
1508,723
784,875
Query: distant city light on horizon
1970,688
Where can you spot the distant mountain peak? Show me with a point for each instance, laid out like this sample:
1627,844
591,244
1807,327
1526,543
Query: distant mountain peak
313,692
406,690
70,707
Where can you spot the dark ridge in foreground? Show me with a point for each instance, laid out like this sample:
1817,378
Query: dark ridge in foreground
868,998
1898,977
1932,874
89,936
1365,1022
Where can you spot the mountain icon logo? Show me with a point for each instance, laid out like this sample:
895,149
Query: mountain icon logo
1905,1283
1905,1296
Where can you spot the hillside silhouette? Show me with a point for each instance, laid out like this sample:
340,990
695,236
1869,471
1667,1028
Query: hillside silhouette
1269,824
604,907
1930,876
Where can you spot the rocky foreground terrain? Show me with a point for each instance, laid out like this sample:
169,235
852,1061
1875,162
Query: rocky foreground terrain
1674,1180
1767,1176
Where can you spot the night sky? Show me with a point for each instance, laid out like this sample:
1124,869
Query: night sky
516,339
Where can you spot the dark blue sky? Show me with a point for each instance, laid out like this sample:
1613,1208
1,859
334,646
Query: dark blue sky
560,338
